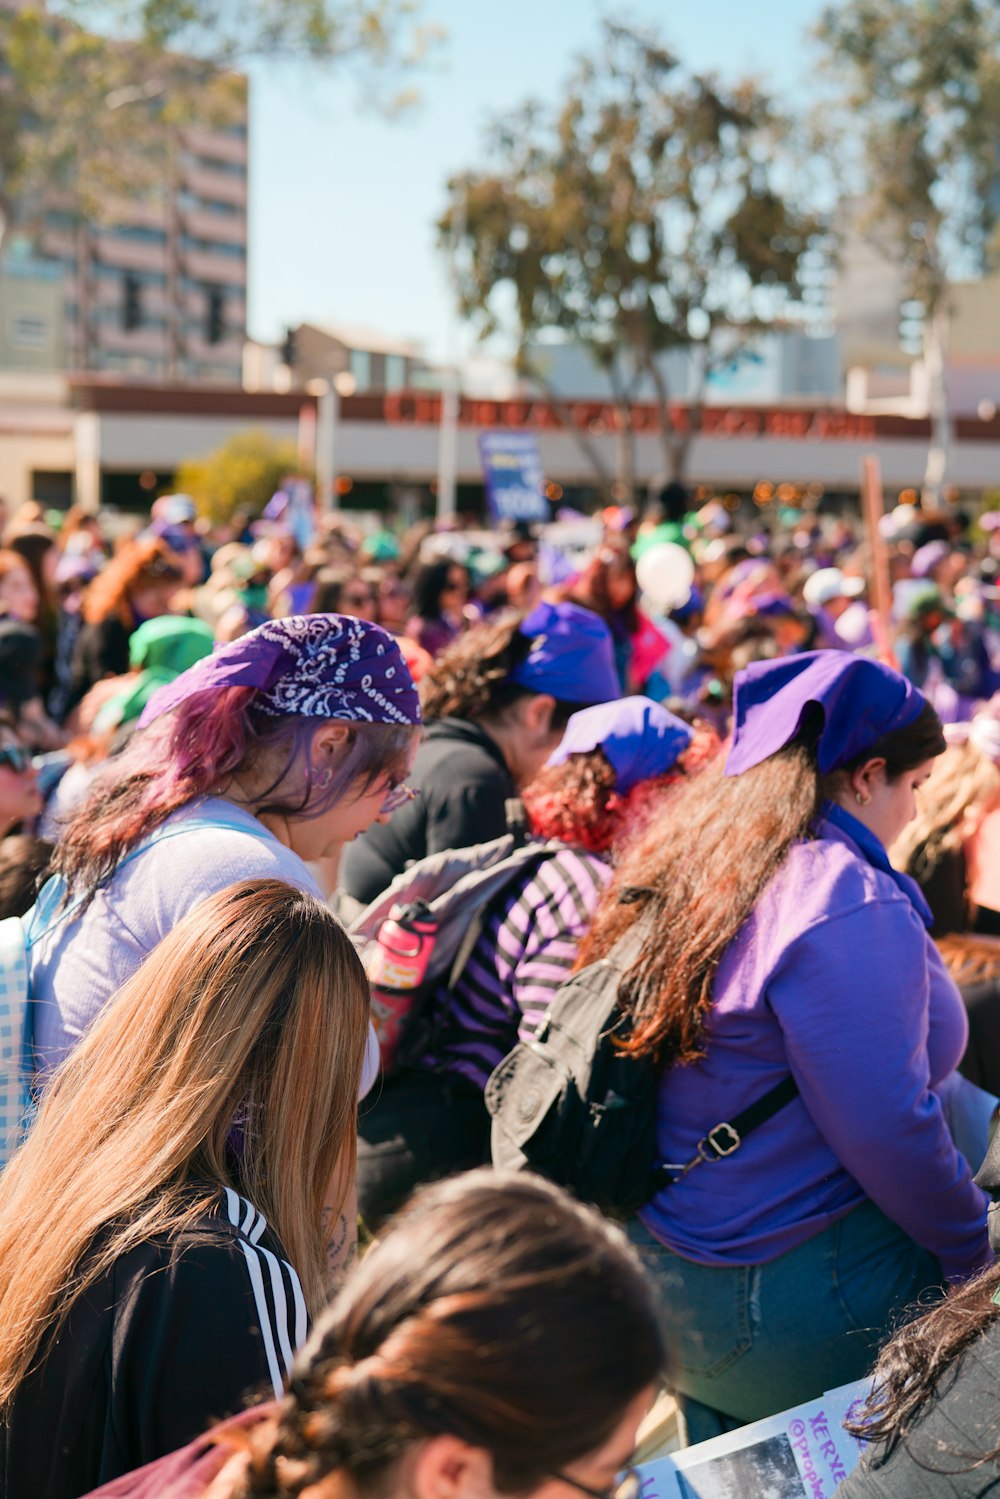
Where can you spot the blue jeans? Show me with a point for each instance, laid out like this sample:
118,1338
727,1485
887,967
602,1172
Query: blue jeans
751,1340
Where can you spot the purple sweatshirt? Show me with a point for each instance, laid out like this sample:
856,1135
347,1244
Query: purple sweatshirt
835,979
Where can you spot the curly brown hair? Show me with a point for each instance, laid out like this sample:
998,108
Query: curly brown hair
471,678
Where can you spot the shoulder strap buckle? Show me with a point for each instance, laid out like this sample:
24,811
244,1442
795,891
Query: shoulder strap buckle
720,1141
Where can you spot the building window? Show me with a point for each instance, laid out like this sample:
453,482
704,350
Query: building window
105,272
213,247
361,368
395,372
217,164
29,330
52,488
138,234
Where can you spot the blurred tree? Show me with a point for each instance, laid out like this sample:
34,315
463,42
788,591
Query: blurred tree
241,475
917,136
90,112
643,212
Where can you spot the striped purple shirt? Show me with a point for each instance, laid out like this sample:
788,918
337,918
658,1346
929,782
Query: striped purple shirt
526,949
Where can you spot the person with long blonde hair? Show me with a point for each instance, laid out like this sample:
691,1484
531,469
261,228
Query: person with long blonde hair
938,847
163,1227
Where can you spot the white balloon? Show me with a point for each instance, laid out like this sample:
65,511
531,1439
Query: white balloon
666,576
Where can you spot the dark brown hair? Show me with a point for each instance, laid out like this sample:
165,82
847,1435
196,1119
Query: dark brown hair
705,860
912,1367
23,860
496,1310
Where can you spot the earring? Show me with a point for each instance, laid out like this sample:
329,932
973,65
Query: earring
862,801
323,780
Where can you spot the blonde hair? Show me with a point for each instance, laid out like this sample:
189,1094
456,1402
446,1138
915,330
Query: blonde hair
252,1015
962,787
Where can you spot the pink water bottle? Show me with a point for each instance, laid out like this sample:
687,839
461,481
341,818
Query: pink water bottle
396,967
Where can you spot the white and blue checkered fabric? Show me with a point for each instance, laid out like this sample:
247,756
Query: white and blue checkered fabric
15,1070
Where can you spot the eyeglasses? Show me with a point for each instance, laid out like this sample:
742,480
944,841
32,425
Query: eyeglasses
398,795
628,1486
358,599
16,757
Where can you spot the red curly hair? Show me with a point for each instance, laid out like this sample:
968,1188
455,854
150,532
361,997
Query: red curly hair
576,802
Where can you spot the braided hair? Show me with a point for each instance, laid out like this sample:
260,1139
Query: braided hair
497,1311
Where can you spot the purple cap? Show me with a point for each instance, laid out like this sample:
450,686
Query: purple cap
572,655
771,605
72,566
307,666
639,737
861,700
927,557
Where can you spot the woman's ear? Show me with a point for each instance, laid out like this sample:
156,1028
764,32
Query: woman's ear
446,1468
328,742
537,715
865,779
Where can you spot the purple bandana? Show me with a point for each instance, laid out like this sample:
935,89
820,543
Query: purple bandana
572,655
640,739
861,701
308,666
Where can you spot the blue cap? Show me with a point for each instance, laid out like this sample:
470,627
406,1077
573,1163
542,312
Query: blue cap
640,738
572,655
861,700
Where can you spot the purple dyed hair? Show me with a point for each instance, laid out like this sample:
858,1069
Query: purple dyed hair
196,751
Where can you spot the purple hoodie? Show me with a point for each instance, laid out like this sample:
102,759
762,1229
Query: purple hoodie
835,979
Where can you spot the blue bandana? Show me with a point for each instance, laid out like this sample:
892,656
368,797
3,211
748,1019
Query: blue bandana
572,655
640,739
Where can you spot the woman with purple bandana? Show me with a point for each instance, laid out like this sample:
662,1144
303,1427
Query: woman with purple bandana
266,755
788,962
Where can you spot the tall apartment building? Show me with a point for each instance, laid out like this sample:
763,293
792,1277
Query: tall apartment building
160,293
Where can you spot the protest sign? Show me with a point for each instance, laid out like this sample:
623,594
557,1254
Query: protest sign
803,1453
512,472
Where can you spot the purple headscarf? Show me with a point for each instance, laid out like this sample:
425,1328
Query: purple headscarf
640,739
308,666
861,700
572,655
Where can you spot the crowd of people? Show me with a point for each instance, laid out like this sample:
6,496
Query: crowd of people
229,754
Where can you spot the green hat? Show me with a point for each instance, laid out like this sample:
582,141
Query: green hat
924,598
159,650
667,531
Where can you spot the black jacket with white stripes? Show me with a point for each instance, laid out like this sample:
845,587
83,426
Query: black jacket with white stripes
177,1335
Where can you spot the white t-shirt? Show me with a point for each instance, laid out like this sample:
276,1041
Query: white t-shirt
78,963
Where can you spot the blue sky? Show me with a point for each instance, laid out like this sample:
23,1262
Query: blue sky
343,203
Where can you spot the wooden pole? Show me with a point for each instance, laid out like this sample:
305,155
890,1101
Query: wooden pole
872,510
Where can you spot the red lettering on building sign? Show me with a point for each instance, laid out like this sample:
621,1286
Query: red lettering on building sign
410,408
720,421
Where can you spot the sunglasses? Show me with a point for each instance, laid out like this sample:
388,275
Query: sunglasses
15,757
398,795
628,1486
358,599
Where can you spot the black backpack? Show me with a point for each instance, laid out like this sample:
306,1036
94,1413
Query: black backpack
570,1105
